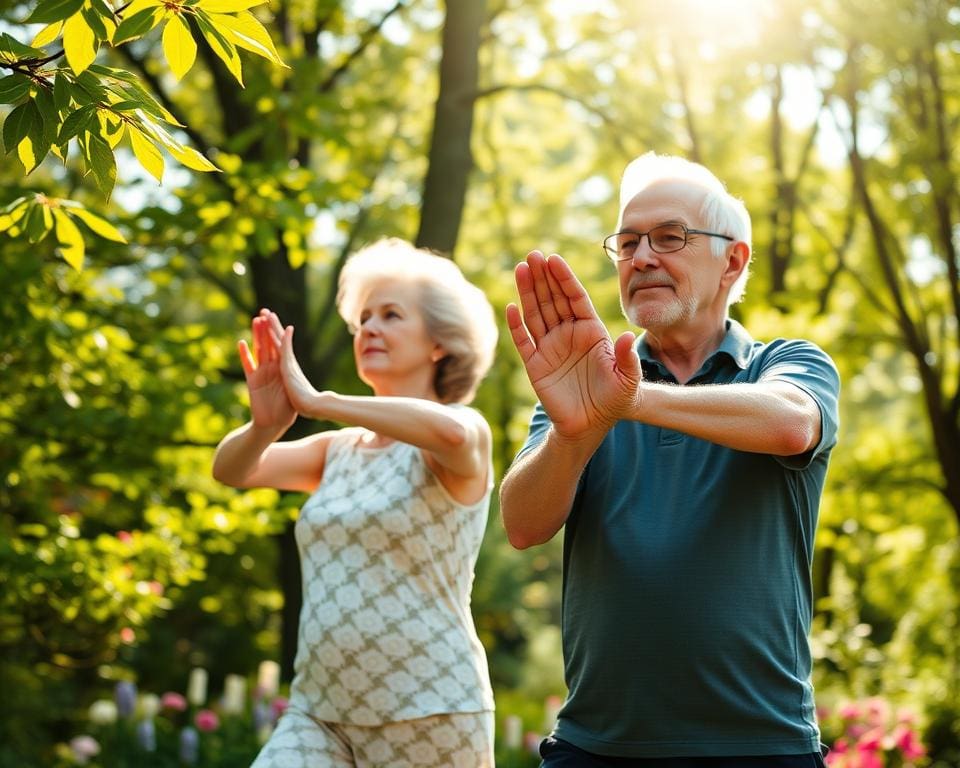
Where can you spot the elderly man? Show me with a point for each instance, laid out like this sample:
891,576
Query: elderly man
686,468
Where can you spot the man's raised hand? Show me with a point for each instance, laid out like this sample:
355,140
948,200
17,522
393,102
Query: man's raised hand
584,380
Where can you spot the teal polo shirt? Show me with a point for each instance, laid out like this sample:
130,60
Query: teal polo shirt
687,595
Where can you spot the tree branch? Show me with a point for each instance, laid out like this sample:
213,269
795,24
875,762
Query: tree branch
365,39
561,93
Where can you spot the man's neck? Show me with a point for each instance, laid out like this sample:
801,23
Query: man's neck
683,351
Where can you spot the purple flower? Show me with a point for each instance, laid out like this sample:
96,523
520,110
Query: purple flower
189,745
125,694
147,735
262,715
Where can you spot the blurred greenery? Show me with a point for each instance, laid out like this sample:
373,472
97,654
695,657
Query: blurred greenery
837,123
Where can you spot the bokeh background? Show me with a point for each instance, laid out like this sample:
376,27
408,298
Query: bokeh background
482,129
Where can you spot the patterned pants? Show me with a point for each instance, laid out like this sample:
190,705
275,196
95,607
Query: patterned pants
464,740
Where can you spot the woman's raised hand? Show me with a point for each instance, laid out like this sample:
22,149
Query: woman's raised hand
269,404
303,397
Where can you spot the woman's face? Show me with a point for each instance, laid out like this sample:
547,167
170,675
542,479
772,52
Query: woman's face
393,352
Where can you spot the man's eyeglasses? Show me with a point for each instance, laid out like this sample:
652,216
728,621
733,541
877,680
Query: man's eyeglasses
663,238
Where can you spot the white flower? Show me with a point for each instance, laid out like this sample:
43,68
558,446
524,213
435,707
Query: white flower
102,712
84,747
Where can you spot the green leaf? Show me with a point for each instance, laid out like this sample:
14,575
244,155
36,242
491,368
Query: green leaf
246,32
69,239
54,10
228,6
49,113
95,22
149,104
179,46
77,121
38,223
147,154
100,226
100,160
224,49
79,43
47,35
12,50
13,213
11,206
61,91
126,106
102,8
91,85
13,88
113,73
137,25
18,124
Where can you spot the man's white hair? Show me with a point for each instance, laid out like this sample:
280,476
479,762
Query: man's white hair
719,211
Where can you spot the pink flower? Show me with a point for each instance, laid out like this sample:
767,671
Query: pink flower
531,742
877,710
279,706
83,748
850,711
870,760
124,536
207,720
174,701
908,743
870,741
856,730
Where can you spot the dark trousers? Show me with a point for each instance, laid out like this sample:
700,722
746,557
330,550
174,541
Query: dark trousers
557,753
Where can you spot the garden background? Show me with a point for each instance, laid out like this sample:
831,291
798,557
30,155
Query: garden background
482,129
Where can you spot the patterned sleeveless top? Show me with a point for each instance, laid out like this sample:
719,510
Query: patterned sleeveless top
387,557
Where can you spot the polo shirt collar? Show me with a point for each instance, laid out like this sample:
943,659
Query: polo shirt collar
737,344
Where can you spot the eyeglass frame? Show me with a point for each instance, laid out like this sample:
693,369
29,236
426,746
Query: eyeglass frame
614,255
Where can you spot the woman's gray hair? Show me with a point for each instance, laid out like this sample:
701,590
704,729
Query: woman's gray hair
720,211
456,313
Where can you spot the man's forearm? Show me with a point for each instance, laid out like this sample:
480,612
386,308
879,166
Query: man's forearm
537,492
765,417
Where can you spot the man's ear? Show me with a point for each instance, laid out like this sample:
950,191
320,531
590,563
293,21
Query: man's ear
737,260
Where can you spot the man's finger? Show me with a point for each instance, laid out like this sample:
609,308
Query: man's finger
560,300
518,333
572,288
541,287
528,300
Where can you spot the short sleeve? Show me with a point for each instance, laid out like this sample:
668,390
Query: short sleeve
537,431
808,367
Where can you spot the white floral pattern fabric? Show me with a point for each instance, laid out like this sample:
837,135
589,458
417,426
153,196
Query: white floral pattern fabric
387,555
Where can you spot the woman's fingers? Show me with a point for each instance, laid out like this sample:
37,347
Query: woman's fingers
246,359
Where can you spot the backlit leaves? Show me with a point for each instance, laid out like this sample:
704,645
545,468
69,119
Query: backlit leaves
38,216
64,98
79,43
179,46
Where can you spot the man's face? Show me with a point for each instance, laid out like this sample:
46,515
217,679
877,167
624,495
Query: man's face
660,291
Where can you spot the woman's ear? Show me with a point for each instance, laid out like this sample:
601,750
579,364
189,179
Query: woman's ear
438,354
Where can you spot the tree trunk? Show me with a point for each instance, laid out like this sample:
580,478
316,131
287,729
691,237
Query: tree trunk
450,159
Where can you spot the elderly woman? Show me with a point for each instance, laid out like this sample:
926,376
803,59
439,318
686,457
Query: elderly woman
389,669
